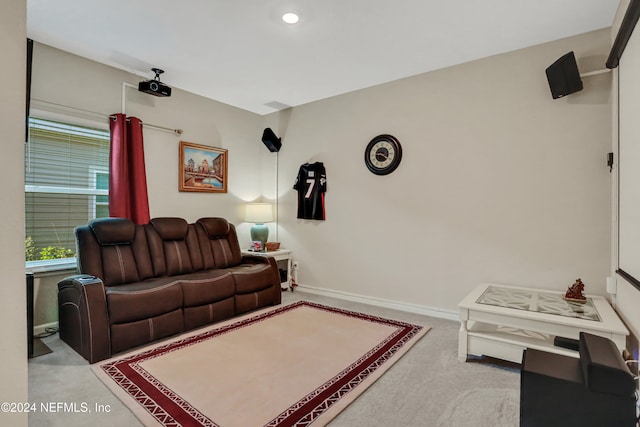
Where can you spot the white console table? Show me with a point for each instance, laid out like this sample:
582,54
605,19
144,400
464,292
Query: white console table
284,259
502,321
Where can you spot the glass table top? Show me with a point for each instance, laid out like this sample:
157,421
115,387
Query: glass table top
541,302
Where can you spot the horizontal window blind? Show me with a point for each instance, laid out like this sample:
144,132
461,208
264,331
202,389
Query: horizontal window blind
66,185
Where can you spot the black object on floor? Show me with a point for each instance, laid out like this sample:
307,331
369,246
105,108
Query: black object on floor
563,342
35,347
39,348
593,391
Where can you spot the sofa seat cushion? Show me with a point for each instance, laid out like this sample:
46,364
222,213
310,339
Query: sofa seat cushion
206,287
142,300
252,277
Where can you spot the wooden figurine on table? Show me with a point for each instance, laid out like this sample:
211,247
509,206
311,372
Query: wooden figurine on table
575,292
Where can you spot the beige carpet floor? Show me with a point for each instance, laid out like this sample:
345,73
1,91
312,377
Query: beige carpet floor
288,365
427,387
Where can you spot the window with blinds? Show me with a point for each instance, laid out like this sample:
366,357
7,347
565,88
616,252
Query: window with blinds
66,185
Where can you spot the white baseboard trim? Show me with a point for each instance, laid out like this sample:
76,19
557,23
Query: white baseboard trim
380,302
41,329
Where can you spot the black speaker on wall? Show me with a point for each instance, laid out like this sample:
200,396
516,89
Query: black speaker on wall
563,76
270,139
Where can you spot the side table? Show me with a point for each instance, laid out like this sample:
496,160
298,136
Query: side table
284,259
503,321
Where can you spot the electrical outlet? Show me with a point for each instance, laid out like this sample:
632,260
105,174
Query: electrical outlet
295,265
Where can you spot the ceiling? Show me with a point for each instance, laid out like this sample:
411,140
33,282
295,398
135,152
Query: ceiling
240,52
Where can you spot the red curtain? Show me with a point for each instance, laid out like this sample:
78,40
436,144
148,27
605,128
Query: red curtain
127,177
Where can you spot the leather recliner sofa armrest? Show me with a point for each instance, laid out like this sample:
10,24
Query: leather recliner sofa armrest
256,259
277,291
262,259
83,317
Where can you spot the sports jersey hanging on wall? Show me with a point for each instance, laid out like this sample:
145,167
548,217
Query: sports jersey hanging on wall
311,184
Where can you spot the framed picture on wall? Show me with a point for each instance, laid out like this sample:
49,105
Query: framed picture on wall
202,168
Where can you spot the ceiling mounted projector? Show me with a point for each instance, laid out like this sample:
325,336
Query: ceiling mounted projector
155,87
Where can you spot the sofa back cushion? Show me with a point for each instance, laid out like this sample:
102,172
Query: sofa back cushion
218,242
113,249
174,248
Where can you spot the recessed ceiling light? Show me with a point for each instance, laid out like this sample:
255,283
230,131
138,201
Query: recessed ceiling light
291,17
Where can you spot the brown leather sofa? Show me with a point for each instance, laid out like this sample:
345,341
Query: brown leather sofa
142,283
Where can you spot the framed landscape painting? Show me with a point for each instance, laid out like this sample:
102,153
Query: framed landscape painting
202,168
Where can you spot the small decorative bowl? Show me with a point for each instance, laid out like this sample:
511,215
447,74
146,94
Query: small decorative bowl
272,246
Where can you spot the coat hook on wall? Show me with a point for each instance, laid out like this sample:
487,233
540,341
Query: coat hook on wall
610,162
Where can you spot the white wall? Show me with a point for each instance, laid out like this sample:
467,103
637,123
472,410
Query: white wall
71,81
498,182
628,297
65,84
13,351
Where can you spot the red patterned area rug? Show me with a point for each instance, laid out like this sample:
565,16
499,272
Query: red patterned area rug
289,365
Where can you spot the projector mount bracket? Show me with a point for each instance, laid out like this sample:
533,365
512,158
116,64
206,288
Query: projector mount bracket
595,73
158,71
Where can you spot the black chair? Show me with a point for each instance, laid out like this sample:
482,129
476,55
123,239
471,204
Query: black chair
595,390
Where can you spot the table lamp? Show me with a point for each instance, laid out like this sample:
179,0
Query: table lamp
259,213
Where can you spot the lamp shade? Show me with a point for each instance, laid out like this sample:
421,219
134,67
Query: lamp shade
259,213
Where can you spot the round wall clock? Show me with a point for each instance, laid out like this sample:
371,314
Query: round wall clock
383,154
